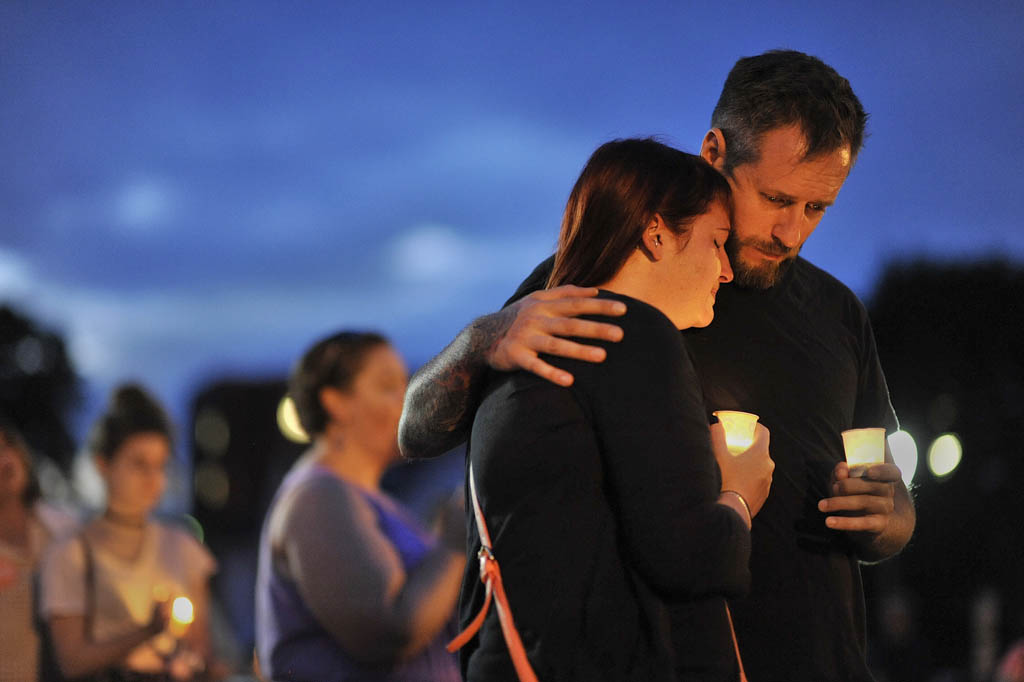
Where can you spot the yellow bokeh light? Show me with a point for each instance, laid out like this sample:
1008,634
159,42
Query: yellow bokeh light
288,421
944,455
904,453
213,487
212,432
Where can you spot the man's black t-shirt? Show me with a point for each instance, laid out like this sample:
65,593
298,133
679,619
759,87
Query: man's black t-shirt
802,356
601,501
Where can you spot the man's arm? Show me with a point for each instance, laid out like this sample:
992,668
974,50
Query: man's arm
443,394
876,510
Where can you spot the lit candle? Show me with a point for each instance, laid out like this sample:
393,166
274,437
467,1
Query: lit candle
739,429
864,447
182,615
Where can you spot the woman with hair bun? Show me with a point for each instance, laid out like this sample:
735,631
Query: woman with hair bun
350,585
106,592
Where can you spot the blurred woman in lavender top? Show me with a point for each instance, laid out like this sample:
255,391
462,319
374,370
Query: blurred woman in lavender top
350,586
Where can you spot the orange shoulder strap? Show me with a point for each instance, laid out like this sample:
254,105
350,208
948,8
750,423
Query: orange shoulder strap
735,644
490,575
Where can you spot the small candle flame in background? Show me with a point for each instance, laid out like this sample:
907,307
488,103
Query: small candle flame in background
182,615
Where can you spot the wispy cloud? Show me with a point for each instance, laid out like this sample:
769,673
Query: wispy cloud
427,276
16,278
142,205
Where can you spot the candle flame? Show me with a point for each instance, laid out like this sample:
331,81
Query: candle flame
181,611
864,447
739,429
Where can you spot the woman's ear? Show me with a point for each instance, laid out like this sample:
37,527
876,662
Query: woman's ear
101,464
712,149
335,403
652,239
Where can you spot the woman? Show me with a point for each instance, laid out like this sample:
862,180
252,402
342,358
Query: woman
604,502
350,586
106,591
27,527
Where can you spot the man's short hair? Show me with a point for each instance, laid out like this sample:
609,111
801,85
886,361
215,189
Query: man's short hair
781,88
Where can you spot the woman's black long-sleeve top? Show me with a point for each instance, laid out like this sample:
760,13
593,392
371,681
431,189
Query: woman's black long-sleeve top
601,503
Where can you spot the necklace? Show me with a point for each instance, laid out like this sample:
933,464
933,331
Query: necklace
123,519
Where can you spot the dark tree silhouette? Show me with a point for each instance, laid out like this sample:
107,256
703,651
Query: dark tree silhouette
951,340
38,385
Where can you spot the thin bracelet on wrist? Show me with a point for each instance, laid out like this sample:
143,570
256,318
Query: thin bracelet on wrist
750,517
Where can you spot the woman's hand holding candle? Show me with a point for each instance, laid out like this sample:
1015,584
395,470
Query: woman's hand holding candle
159,618
748,473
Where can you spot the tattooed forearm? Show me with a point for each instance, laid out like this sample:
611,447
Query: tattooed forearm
443,394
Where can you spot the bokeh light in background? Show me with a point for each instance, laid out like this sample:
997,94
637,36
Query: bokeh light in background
944,455
212,432
288,421
194,527
212,438
213,486
904,453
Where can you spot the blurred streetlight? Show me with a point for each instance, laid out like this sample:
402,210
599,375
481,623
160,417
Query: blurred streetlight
288,421
944,455
904,452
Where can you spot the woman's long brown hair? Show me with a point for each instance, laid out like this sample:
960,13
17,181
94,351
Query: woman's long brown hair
624,184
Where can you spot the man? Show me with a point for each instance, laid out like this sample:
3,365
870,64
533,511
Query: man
789,342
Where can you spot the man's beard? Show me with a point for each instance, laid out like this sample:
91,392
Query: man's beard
762,275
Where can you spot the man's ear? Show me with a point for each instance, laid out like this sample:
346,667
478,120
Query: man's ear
712,149
101,464
335,403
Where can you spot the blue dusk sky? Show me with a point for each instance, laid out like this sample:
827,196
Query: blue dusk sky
197,190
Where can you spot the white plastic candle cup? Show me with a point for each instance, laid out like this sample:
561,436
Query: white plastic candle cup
739,429
864,447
